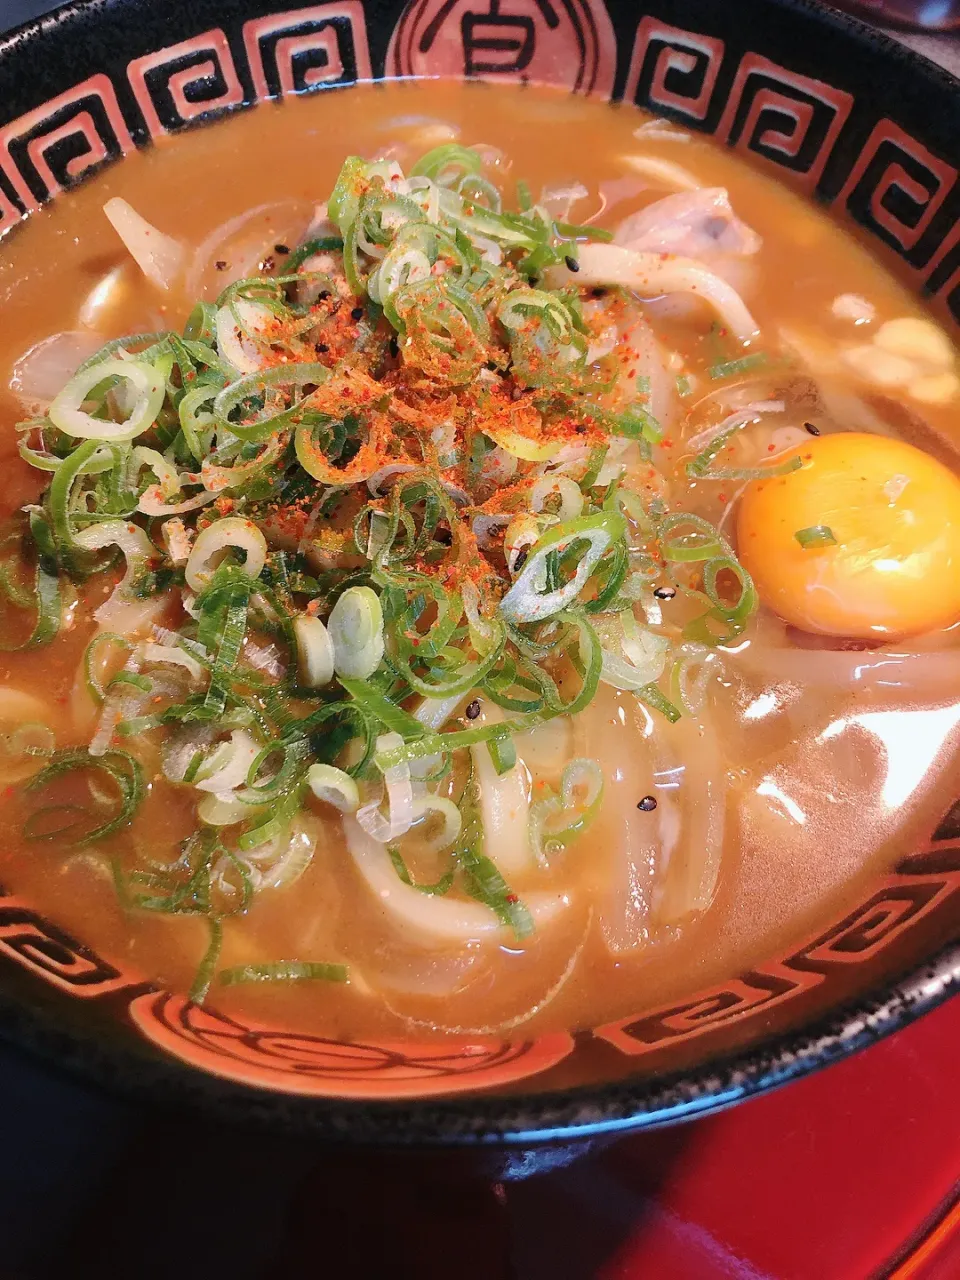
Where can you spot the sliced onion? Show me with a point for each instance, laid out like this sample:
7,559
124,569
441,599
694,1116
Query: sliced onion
245,240
122,703
262,658
177,540
222,535
835,669
136,547
499,467
559,200
399,787
283,860
153,503
645,357
377,482
547,748
158,256
181,747
131,618
434,713
632,656
43,371
226,766
694,224
177,657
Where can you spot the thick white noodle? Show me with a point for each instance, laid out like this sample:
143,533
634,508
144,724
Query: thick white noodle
504,809
691,790
652,276
434,920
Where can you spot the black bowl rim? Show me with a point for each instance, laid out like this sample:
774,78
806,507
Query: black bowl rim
521,1117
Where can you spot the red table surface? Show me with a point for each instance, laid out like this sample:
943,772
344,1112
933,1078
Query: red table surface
837,1177
846,1175
850,1174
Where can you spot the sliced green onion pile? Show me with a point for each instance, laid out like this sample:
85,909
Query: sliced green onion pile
363,497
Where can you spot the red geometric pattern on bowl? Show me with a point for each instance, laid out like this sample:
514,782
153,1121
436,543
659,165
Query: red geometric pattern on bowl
276,1059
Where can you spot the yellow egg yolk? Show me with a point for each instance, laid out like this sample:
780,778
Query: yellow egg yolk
894,512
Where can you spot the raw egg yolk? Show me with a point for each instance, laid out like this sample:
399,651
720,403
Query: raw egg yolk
893,569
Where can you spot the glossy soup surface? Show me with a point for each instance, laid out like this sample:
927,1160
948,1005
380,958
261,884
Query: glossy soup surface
811,764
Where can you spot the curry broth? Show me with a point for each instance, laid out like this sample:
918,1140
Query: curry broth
778,879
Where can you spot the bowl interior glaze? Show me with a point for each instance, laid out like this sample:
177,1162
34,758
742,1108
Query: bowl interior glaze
787,81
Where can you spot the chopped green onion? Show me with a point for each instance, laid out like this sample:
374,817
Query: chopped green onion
481,879
283,971
729,368
817,535
204,975
436,890
149,387
503,753
122,771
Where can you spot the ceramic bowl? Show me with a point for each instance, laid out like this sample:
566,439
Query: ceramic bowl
858,123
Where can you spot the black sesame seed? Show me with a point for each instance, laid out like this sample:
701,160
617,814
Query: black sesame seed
814,431
281,248
572,263
323,295
356,313
321,348
520,560
665,593
647,804
473,709
220,265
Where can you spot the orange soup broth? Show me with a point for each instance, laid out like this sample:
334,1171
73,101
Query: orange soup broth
778,879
